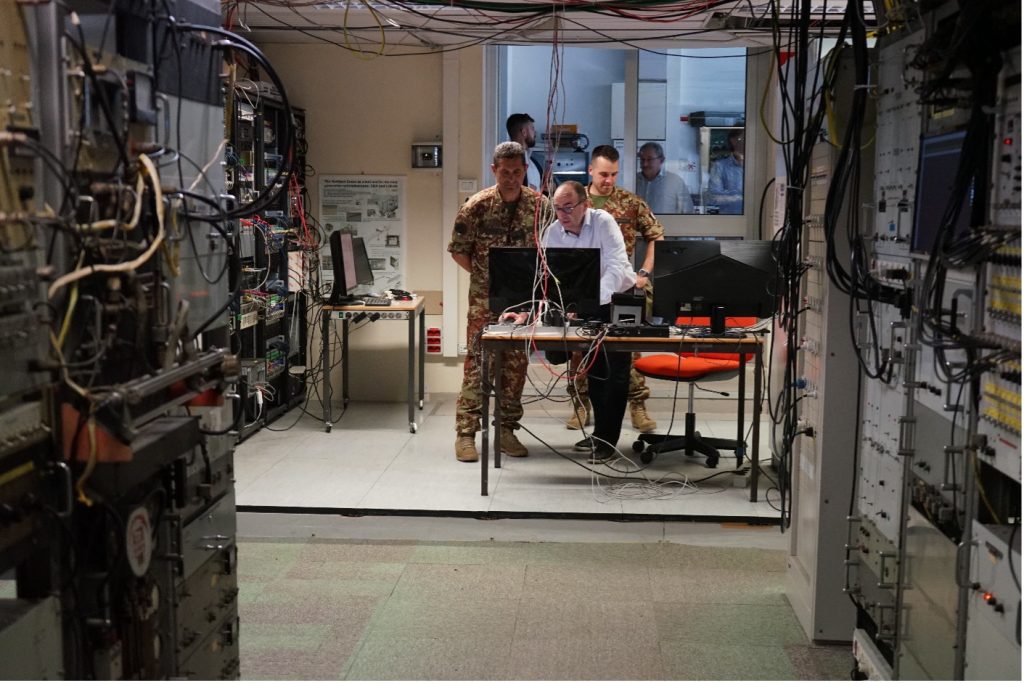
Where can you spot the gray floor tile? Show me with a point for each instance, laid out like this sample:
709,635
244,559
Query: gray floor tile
774,626
612,656
674,555
437,657
459,582
433,616
727,660
718,586
587,583
490,554
821,662
556,618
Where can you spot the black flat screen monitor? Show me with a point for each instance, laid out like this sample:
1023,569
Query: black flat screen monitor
936,177
712,278
514,285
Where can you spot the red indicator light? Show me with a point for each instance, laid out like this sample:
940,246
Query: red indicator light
1007,141
987,597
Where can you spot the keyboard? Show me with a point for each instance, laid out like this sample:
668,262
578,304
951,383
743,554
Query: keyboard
375,301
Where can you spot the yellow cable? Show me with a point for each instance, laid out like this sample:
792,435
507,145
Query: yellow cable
359,53
90,465
72,300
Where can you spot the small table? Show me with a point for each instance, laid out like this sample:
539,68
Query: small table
398,310
498,342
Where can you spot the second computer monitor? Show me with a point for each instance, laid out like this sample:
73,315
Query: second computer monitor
350,264
709,278
573,281
364,273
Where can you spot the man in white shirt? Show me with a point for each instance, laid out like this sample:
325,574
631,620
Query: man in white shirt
577,225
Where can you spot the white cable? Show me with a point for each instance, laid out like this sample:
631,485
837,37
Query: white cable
75,275
213,159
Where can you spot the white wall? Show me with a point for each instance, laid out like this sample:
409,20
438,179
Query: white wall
585,99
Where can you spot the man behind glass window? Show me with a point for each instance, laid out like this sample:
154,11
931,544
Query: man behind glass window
725,182
663,191
520,129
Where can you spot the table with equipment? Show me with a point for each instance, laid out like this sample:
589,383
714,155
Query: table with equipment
495,343
411,311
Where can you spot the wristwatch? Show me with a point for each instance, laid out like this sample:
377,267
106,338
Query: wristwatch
643,273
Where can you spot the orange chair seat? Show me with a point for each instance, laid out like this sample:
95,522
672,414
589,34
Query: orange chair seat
704,321
674,367
715,355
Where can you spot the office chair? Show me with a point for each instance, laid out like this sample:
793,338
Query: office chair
691,367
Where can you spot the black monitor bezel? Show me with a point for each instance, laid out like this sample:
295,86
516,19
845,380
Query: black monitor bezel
570,266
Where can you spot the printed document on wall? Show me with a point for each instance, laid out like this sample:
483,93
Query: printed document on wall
371,207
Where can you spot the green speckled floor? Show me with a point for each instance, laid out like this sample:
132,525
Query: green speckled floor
358,610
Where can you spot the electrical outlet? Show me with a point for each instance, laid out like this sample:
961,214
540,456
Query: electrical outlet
463,349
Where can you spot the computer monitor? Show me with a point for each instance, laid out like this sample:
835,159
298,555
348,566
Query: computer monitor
936,177
712,278
364,274
574,280
343,263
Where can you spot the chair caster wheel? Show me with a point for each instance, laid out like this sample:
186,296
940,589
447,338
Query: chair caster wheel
647,457
712,461
638,446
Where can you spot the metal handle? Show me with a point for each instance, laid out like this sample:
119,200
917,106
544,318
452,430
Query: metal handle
69,498
881,569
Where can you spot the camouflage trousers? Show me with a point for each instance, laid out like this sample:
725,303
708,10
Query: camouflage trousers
469,405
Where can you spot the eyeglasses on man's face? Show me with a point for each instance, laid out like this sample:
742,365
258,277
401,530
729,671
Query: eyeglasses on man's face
569,208
650,159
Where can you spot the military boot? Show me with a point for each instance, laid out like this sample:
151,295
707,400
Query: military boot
510,444
642,422
465,448
580,414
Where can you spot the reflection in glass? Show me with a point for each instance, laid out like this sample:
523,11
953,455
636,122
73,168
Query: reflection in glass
664,191
702,99
725,176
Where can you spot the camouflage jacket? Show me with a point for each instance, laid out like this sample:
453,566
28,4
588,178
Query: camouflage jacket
484,221
633,216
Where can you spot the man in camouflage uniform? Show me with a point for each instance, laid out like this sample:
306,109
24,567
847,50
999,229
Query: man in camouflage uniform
505,215
634,218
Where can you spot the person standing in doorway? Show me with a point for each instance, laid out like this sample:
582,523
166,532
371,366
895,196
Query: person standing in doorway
504,215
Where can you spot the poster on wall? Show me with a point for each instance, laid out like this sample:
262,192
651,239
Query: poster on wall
371,207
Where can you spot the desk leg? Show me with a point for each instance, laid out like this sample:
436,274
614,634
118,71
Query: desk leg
498,365
344,363
411,380
741,449
423,353
755,459
484,412
325,360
